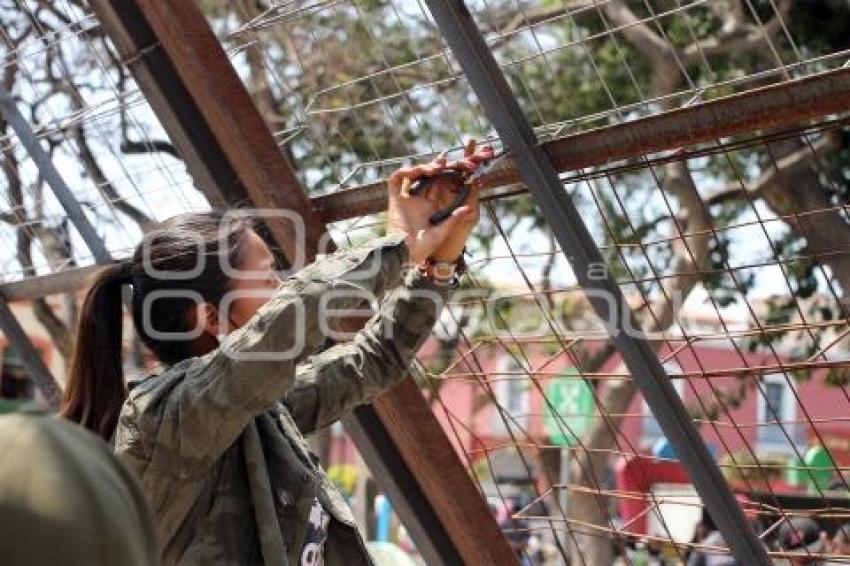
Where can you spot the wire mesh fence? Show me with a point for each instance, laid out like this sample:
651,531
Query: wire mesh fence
736,277
96,126
734,252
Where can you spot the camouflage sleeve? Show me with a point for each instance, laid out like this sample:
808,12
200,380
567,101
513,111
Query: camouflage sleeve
324,267
336,380
255,366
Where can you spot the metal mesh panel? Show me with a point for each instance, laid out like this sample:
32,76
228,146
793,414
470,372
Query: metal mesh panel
734,252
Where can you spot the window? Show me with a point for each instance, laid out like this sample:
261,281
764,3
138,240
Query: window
775,410
512,393
651,429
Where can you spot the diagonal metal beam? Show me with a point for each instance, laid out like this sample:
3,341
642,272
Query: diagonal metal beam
54,180
540,175
229,150
35,366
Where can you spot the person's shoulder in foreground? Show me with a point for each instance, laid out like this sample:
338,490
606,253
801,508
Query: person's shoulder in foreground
64,497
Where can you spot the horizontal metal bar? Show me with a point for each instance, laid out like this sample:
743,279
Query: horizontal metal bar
765,108
37,286
785,105
372,198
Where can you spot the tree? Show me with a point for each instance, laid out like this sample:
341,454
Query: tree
707,46
60,69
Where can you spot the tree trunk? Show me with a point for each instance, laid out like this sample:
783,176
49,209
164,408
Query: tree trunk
590,466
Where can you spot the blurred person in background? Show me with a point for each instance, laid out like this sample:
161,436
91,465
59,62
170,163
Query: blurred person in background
802,536
65,498
706,533
838,545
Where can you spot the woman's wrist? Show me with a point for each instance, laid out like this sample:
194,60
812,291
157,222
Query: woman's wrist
453,252
443,272
451,257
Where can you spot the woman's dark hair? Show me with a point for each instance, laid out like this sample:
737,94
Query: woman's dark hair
185,254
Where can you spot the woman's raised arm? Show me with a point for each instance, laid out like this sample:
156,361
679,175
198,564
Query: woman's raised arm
195,411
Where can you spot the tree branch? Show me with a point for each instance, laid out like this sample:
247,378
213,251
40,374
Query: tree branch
637,32
132,147
729,12
790,164
57,330
729,193
735,35
89,161
98,177
528,19
723,399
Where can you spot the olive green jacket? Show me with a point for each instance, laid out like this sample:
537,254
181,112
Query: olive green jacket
217,440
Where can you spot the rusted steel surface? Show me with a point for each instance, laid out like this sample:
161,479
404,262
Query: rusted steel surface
813,97
51,284
371,198
782,105
197,95
183,38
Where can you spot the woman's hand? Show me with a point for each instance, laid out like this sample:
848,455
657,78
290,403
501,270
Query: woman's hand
452,247
410,215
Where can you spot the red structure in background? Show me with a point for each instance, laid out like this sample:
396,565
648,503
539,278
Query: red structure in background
475,427
637,474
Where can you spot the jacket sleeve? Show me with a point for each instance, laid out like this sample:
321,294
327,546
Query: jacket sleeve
338,379
189,421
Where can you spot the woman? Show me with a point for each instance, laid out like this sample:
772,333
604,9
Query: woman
216,439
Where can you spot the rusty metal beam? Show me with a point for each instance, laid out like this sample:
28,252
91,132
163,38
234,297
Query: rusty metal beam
371,198
199,115
786,105
38,286
783,105
184,72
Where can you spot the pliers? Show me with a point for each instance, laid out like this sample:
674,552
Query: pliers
462,179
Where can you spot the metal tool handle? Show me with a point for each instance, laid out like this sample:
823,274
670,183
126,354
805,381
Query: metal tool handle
419,185
422,183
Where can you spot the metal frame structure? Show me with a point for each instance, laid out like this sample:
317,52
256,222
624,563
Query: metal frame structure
45,166
758,109
540,175
234,160
811,97
32,360
8,322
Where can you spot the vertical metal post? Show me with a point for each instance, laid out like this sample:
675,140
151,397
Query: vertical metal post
30,356
539,174
54,179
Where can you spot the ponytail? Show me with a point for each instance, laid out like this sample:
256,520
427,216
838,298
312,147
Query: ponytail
95,390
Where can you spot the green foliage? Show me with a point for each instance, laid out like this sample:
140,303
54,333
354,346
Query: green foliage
334,62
